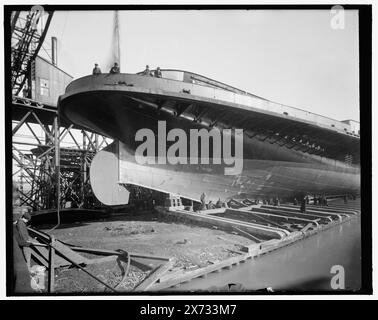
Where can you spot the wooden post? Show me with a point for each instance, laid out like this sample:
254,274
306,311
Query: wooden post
57,166
51,265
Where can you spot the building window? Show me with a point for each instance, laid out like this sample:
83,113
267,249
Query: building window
44,87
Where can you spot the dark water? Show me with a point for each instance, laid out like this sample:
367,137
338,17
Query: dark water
305,265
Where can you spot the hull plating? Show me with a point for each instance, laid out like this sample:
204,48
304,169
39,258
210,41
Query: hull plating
269,168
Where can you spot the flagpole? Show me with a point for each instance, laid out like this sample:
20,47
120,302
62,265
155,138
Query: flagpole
117,38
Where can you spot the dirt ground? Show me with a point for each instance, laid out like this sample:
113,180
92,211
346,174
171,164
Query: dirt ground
192,246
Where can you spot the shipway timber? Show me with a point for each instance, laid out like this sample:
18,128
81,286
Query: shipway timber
287,152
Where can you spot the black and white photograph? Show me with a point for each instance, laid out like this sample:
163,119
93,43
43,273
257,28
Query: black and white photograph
182,150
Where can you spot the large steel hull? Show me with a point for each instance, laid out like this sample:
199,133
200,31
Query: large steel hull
118,106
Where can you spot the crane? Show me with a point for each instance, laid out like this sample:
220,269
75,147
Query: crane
28,31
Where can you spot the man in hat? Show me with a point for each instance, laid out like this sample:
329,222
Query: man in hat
115,68
147,71
96,70
157,73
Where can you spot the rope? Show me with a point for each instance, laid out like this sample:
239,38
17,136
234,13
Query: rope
127,268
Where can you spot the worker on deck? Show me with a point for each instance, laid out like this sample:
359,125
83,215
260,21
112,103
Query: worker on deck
219,203
157,73
211,205
21,274
147,71
303,204
96,70
115,68
203,201
22,235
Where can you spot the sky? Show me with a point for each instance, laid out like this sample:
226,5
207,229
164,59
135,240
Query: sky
292,57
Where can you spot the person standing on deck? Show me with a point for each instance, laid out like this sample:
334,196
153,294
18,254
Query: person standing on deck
147,71
157,73
96,70
203,201
22,236
114,69
303,204
21,274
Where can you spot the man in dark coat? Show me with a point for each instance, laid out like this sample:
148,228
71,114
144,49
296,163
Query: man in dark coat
147,71
157,73
115,68
96,70
21,274
303,204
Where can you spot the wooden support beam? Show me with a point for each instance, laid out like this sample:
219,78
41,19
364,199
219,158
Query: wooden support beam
114,252
154,276
258,240
186,276
51,265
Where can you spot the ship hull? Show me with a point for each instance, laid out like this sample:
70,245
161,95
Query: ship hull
259,180
270,169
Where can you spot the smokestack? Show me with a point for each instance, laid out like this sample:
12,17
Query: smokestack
54,50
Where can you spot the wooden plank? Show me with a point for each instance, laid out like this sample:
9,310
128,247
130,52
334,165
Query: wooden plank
308,226
235,251
258,240
114,252
51,266
44,253
67,252
144,256
135,263
103,252
228,223
41,259
101,260
197,273
172,273
154,276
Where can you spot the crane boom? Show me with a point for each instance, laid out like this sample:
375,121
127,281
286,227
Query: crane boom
29,29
